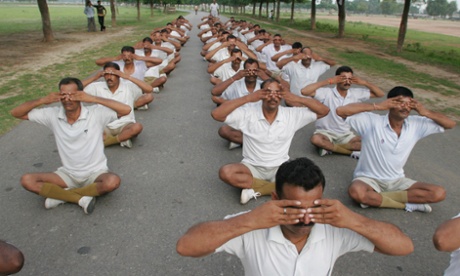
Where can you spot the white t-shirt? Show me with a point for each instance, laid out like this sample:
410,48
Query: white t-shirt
267,144
80,145
126,93
300,76
225,71
238,89
268,252
383,153
269,51
331,98
454,266
139,69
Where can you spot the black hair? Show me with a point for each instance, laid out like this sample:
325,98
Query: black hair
236,50
231,37
70,80
400,91
342,69
111,65
297,45
250,61
127,49
268,81
301,172
148,39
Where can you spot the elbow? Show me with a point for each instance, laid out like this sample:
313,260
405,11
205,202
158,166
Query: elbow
339,111
450,125
442,242
181,248
324,112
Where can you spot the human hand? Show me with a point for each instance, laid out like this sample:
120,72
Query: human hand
357,80
54,97
276,212
419,107
330,211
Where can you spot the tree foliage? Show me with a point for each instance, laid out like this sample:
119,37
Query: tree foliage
441,8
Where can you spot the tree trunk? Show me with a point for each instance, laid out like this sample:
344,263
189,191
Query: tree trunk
278,4
403,26
260,9
152,11
341,6
313,15
267,8
292,10
112,11
254,9
46,22
138,6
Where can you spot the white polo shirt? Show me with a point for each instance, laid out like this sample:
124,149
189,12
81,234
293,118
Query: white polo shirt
454,266
383,153
125,93
267,252
300,76
224,54
269,51
267,144
238,89
225,71
331,98
80,145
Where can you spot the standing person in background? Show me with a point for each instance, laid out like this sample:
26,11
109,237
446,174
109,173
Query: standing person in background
89,11
101,12
196,10
214,9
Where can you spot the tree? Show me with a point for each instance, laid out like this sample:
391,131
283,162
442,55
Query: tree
441,8
341,6
46,22
388,6
313,15
112,11
403,26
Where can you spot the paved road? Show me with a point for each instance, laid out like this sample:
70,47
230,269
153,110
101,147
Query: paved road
170,182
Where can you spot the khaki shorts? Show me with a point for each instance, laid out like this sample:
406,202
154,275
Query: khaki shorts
264,173
73,182
379,186
115,131
336,138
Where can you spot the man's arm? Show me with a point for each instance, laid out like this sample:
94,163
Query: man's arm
310,90
120,108
145,87
167,50
328,61
210,54
220,88
221,112
281,63
214,66
22,110
261,47
355,108
104,60
244,48
446,237
437,117
317,107
376,92
279,55
149,61
387,238
204,238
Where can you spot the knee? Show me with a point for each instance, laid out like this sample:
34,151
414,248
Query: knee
112,183
28,181
315,140
225,173
439,194
162,80
223,132
148,97
355,193
16,261
137,128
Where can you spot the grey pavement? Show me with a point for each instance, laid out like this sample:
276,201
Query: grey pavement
170,182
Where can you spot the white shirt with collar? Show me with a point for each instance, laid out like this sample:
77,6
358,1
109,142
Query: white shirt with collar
80,144
331,98
139,69
269,51
125,94
225,71
383,153
239,89
265,144
300,76
268,252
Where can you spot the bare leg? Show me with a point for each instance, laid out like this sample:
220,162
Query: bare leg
322,141
236,175
33,182
425,193
231,134
107,182
11,259
143,100
159,81
363,193
130,131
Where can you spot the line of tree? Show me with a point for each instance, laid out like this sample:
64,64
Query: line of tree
434,7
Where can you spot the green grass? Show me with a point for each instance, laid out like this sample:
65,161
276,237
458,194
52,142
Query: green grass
44,81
